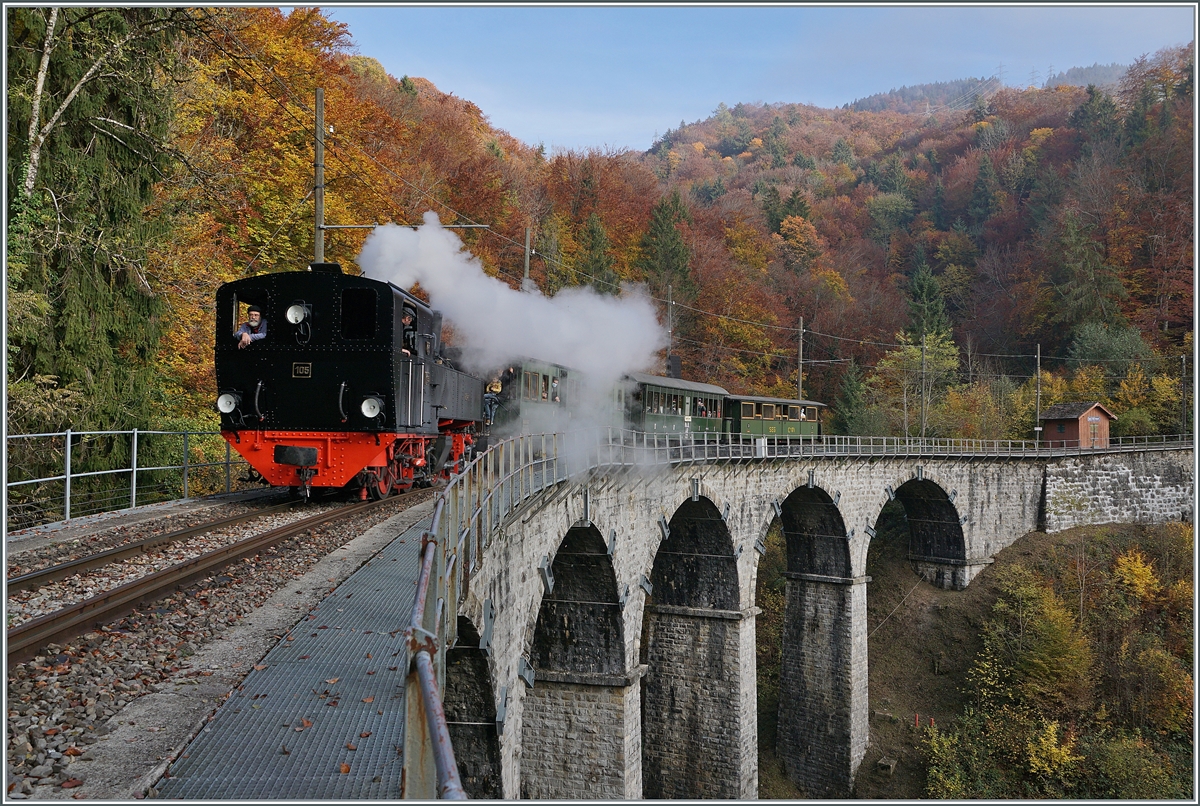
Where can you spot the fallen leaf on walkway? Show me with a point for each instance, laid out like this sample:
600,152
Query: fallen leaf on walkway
333,680
351,746
345,768
368,699
304,723
364,734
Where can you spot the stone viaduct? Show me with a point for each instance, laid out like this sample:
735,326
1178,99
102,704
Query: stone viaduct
606,636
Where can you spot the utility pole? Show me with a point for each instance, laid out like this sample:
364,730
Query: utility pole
670,324
800,364
526,282
319,183
1037,423
1183,407
923,390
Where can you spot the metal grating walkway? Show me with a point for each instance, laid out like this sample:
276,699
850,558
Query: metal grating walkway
340,669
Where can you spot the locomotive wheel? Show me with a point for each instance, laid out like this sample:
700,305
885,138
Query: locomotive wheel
379,485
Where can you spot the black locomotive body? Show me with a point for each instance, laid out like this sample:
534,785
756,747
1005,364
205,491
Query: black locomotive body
341,390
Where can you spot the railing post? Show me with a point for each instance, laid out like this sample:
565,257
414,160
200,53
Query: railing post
185,464
133,474
227,455
67,477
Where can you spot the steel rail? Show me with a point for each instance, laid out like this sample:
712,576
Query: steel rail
24,640
53,573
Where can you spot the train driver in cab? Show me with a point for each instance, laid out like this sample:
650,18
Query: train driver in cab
409,336
253,329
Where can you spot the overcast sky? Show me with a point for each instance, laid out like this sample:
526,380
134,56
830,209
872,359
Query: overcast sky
618,76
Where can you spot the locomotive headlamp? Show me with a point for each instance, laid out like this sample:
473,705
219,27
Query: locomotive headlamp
227,402
371,407
297,314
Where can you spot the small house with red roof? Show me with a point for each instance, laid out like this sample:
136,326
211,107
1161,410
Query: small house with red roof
1076,425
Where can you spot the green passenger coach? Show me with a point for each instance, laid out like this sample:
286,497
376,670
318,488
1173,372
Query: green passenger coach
772,416
658,405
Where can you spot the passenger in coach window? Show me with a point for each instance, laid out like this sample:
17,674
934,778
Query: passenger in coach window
253,329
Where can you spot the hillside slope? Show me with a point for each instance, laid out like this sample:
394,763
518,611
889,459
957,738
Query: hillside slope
922,642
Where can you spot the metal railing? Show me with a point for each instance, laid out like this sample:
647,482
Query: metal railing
510,475
104,471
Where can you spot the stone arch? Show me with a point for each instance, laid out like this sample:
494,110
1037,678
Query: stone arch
470,705
698,716
695,566
822,734
815,534
579,626
937,547
576,726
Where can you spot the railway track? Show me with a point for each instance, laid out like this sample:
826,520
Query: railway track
54,573
26,639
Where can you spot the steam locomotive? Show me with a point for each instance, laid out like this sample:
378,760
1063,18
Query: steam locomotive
348,385
349,388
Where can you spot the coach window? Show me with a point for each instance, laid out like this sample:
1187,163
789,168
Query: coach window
794,413
358,313
812,413
768,411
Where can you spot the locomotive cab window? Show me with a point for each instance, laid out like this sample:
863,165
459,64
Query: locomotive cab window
241,311
358,313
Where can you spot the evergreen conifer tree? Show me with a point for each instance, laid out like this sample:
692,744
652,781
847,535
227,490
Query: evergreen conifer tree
842,152
596,265
850,409
77,189
926,307
939,206
664,254
983,195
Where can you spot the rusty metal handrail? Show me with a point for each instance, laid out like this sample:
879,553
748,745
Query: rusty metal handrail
423,643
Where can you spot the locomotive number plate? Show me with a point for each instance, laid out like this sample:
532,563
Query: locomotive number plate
301,370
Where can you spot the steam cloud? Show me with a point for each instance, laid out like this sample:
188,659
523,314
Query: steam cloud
601,335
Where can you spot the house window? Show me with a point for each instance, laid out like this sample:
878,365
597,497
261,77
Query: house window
1062,428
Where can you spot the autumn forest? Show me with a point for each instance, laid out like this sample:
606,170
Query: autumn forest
155,153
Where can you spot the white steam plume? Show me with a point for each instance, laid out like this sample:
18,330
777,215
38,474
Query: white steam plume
598,334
